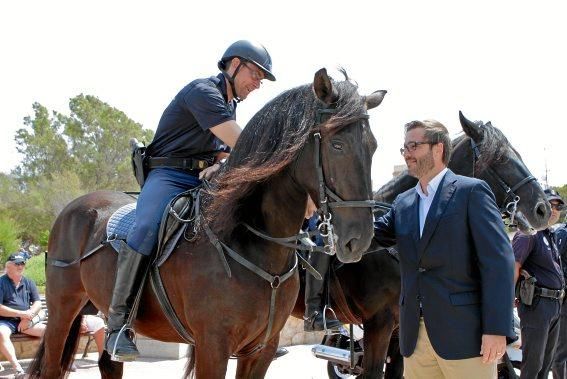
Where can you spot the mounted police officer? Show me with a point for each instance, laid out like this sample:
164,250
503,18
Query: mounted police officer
559,367
196,127
541,292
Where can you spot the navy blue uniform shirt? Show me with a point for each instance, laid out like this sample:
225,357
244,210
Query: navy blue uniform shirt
538,255
183,129
20,298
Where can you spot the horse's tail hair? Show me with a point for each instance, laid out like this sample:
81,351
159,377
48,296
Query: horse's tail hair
190,366
36,367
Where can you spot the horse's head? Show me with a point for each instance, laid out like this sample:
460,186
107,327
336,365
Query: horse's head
334,167
492,158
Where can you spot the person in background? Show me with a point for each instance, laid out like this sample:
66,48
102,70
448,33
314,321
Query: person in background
541,289
559,366
19,305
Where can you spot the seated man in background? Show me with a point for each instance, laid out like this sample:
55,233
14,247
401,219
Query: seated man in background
19,304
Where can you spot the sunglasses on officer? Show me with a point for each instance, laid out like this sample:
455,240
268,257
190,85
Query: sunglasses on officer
20,263
557,206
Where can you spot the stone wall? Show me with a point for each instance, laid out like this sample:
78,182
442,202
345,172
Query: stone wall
27,349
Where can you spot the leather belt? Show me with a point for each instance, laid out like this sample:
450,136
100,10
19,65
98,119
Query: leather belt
183,163
552,294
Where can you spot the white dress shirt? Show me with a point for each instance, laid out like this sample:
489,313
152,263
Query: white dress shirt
426,200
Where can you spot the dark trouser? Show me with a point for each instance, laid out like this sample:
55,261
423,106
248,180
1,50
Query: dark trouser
540,330
314,288
559,367
161,186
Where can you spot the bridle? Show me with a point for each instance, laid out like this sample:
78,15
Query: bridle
327,198
507,208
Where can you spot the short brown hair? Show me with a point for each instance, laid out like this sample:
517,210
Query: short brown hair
435,132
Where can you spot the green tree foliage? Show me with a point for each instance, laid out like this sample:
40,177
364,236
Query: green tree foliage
9,237
65,156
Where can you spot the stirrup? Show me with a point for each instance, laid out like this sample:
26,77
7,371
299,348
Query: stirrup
121,358
329,331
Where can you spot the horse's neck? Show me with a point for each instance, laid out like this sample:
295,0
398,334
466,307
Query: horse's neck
401,183
281,213
462,159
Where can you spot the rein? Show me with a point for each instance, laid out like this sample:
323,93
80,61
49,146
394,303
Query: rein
508,208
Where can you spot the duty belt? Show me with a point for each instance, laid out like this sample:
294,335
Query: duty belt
552,294
183,163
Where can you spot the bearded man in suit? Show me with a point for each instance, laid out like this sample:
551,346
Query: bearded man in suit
456,264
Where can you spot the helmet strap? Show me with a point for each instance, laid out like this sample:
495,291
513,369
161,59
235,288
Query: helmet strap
231,80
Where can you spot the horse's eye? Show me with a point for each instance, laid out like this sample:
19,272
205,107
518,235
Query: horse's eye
337,145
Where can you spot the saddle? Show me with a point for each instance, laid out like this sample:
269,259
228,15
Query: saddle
180,218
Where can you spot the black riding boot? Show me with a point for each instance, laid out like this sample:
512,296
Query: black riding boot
129,275
314,320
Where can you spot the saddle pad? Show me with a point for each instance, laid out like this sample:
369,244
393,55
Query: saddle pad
119,224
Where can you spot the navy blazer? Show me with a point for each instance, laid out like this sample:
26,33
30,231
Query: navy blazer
461,270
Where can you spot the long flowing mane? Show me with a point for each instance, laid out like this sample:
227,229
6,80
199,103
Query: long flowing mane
269,143
493,147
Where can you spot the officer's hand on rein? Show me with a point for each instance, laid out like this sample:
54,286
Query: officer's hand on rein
209,172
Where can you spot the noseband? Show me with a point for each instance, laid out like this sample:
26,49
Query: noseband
509,205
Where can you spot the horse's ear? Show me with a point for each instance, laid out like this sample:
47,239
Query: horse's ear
375,98
323,87
470,128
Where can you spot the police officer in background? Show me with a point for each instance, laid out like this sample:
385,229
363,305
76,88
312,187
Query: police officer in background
541,292
559,367
190,136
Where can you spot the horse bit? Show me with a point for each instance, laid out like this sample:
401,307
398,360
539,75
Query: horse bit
507,208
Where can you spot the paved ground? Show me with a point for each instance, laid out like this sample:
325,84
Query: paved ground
299,363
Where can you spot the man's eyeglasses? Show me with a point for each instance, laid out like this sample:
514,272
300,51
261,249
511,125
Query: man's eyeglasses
412,146
557,207
20,263
255,73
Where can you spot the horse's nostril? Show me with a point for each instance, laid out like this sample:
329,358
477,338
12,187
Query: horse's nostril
541,210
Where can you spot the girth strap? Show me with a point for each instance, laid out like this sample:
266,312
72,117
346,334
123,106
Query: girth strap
167,308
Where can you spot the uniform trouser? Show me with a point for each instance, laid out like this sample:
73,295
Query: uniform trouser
314,288
540,329
559,366
161,186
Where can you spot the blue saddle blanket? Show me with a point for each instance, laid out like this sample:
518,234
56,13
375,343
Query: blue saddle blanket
120,224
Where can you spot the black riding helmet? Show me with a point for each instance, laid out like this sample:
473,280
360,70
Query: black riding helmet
251,52
552,194
246,51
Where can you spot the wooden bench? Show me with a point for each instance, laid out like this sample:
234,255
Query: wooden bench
23,338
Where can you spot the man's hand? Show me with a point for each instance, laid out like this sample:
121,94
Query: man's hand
23,325
27,315
492,348
209,172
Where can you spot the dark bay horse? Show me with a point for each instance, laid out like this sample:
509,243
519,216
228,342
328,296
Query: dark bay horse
368,291
300,143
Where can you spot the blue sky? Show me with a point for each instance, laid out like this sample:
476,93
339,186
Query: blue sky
503,61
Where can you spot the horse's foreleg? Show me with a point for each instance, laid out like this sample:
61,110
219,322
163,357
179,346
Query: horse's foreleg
211,358
256,365
395,368
109,369
377,333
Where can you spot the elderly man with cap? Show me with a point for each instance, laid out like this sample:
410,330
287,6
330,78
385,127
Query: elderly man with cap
541,292
19,305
